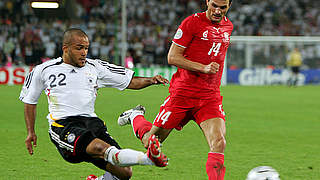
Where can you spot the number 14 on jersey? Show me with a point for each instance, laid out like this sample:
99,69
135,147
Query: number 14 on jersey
215,48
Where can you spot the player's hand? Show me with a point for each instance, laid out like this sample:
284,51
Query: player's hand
158,79
31,141
211,68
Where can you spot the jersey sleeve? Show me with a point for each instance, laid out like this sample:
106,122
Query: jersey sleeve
185,32
113,76
32,87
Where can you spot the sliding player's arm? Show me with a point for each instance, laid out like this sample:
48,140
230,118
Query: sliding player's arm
30,93
30,117
142,82
122,78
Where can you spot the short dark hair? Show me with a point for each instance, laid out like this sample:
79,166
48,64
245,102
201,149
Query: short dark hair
230,1
68,35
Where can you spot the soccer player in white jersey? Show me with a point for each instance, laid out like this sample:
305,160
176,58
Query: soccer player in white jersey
70,83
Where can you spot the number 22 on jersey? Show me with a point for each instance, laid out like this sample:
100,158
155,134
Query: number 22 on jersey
215,48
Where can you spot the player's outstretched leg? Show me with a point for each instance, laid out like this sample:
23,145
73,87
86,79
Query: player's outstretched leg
154,152
140,127
135,117
129,157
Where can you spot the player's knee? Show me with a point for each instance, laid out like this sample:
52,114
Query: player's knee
126,173
96,148
100,148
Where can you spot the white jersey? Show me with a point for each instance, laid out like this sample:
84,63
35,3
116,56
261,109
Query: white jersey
71,90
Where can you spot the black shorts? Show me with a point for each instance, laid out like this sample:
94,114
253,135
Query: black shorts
73,134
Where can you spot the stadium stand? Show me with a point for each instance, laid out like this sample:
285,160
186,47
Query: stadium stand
26,38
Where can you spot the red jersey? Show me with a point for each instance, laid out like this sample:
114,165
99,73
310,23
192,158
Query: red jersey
204,42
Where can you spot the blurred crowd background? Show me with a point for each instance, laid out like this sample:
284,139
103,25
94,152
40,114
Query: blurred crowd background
29,36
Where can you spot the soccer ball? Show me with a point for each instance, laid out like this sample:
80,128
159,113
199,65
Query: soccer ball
263,173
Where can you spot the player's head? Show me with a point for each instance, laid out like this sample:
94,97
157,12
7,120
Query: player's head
75,47
217,9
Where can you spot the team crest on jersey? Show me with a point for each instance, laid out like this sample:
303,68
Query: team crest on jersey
205,35
91,78
226,37
71,137
178,34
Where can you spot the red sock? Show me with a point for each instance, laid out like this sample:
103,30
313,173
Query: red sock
214,166
140,126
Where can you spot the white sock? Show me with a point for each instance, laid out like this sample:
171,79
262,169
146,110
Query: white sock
126,157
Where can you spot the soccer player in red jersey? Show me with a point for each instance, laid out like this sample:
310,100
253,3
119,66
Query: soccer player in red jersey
198,50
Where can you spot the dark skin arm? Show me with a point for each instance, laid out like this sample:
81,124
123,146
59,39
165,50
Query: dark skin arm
142,82
30,117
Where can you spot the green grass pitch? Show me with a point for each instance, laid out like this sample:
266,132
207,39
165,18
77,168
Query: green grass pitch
275,126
